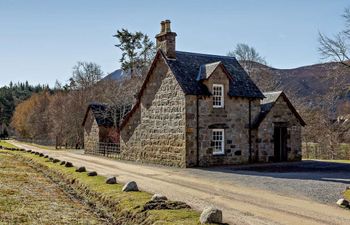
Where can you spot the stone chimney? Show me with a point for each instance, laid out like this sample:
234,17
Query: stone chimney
166,40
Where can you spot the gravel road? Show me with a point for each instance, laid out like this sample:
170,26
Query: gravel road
296,193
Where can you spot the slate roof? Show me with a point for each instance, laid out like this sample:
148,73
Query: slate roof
267,104
187,65
105,114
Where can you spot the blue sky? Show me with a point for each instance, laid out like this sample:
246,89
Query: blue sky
40,41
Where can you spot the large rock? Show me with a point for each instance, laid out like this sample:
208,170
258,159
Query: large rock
159,197
343,202
92,174
111,180
81,169
130,186
211,215
68,164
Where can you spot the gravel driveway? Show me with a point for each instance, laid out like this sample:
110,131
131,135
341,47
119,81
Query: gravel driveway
255,195
320,181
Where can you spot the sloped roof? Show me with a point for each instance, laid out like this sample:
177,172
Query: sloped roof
187,65
105,115
206,70
268,103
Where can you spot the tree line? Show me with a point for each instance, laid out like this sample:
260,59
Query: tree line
55,117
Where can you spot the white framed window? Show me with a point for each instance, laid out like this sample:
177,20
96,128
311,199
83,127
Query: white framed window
218,141
218,96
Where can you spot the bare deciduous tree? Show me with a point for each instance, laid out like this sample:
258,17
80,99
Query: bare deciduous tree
337,48
247,56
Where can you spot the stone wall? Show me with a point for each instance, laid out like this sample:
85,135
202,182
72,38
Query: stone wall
234,118
156,130
280,113
91,133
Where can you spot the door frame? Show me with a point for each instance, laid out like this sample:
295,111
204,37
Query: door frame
280,136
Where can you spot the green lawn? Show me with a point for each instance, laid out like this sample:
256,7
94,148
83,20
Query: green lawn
6,144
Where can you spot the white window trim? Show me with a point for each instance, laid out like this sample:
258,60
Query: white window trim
222,103
222,152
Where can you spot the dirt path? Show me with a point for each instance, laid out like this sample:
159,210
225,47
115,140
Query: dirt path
240,205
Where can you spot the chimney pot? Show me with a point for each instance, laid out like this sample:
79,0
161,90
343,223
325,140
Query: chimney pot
167,26
166,40
162,27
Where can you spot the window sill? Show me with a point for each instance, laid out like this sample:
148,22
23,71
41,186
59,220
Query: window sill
219,154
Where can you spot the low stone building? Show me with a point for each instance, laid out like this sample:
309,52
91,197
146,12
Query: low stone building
100,126
201,110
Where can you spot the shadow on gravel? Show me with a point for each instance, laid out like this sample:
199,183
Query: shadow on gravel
305,170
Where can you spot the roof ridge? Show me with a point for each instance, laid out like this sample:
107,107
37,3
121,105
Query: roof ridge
206,54
272,92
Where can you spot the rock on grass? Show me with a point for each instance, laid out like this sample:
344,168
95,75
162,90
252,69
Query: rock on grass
159,197
111,180
92,174
68,164
81,169
211,215
343,203
130,186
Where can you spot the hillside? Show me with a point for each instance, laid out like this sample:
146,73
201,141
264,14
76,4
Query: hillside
313,85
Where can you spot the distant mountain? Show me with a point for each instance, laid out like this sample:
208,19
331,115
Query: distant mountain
117,75
311,84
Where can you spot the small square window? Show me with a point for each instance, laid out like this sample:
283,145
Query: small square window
218,96
218,141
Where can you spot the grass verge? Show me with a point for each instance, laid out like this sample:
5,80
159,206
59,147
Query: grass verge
109,200
6,144
28,197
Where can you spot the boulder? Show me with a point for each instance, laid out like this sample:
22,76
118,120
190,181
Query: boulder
92,174
111,180
130,186
55,160
81,169
159,197
211,215
343,202
68,164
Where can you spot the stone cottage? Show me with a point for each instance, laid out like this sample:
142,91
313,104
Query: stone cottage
202,110
101,125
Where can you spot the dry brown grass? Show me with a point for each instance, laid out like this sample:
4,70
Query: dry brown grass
27,197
